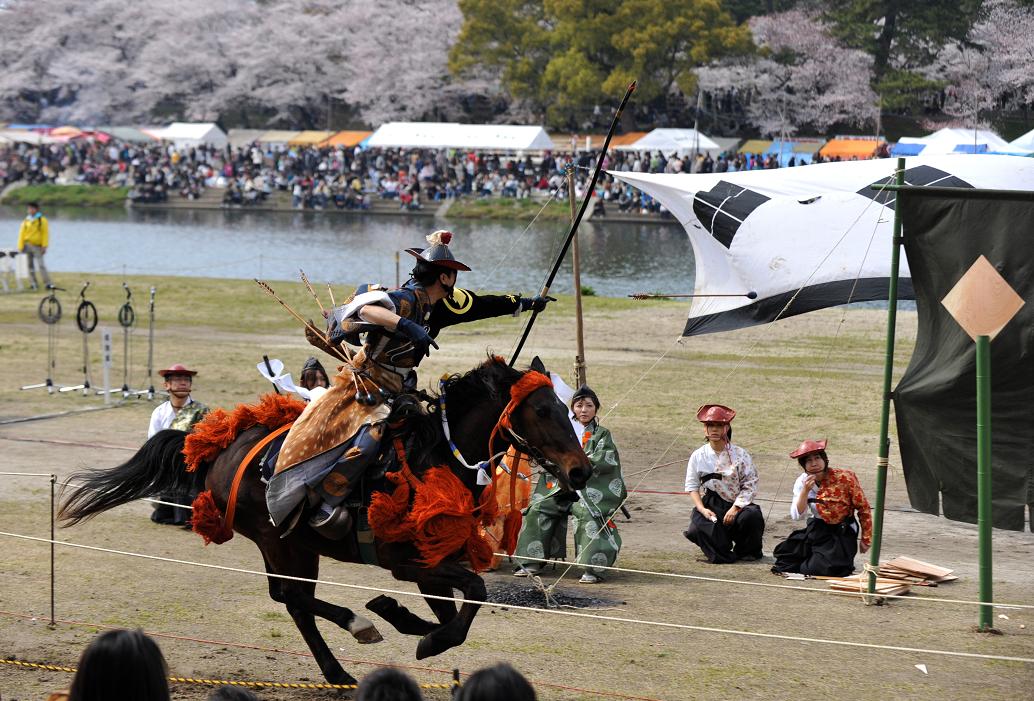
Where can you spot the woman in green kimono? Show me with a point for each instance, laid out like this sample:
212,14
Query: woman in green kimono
596,538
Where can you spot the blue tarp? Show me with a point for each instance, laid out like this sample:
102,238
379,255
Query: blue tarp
785,150
907,149
971,148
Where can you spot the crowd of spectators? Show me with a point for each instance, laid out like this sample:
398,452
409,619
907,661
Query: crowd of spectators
151,173
348,178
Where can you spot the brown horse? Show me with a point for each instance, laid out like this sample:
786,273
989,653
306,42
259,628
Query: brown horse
476,401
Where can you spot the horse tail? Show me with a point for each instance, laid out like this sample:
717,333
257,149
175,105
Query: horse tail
157,468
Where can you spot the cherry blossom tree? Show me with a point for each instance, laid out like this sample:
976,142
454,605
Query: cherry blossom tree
400,71
993,68
800,77
283,62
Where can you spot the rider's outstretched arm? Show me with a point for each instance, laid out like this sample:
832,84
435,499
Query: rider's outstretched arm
464,306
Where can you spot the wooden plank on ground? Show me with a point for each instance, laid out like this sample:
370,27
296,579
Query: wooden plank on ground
914,566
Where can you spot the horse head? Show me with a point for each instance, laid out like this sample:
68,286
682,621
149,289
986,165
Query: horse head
494,406
542,428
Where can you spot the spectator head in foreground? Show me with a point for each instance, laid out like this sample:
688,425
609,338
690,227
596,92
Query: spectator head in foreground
121,664
388,684
499,682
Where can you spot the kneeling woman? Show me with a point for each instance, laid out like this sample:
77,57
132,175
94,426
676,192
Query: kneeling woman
827,545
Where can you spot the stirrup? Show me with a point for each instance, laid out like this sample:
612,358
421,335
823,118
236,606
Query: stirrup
331,522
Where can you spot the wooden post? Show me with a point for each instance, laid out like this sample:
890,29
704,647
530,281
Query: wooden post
883,448
579,358
984,479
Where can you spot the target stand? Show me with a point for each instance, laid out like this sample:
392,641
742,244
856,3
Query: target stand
127,320
49,313
86,321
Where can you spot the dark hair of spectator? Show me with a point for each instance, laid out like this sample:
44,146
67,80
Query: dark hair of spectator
121,664
388,684
822,454
499,682
426,274
34,205
232,693
314,375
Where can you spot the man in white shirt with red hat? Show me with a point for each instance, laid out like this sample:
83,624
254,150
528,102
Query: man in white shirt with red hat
180,412
726,523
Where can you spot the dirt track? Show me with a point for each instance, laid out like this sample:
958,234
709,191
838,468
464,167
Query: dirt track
788,380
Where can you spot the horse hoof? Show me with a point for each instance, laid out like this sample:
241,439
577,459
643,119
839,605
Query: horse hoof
368,636
340,677
363,630
431,645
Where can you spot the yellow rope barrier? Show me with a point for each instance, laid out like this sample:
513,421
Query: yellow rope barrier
226,682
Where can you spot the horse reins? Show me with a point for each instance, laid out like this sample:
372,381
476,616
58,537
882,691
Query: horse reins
231,499
521,390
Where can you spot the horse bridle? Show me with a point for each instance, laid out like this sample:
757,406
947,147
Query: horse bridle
486,467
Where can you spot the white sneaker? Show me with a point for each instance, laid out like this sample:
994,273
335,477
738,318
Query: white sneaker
589,578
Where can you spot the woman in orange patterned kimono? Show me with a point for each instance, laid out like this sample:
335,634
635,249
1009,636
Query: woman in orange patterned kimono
826,547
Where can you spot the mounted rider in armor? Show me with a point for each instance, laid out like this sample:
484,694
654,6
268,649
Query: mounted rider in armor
339,434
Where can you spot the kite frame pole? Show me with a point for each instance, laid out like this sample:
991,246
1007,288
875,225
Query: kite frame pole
888,370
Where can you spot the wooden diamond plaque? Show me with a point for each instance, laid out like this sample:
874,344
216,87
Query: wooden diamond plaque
982,301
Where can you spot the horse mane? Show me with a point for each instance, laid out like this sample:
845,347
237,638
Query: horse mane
493,377
427,446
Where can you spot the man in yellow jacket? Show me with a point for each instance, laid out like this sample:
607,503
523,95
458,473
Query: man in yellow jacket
33,237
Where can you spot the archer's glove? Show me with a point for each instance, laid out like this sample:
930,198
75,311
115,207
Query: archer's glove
536,303
416,333
315,339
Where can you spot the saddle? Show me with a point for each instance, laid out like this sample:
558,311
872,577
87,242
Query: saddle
405,407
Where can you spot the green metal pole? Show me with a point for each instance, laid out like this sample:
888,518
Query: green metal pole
888,370
984,477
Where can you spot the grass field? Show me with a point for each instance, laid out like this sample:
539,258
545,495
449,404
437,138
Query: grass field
817,375
508,208
68,196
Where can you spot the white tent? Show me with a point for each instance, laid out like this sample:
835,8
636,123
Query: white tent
244,137
25,136
487,137
680,141
951,140
186,134
1024,144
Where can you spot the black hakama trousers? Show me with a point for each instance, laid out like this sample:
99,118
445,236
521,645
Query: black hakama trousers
725,544
819,549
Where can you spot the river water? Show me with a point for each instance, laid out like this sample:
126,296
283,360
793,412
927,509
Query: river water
617,259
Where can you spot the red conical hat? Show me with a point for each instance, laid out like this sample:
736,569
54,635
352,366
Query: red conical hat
715,413
807,447
177,369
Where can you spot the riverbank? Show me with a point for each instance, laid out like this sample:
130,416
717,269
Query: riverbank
483,208
66,195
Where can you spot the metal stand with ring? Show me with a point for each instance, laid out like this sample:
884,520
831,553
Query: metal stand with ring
126,319
86,320
50,314
150,347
